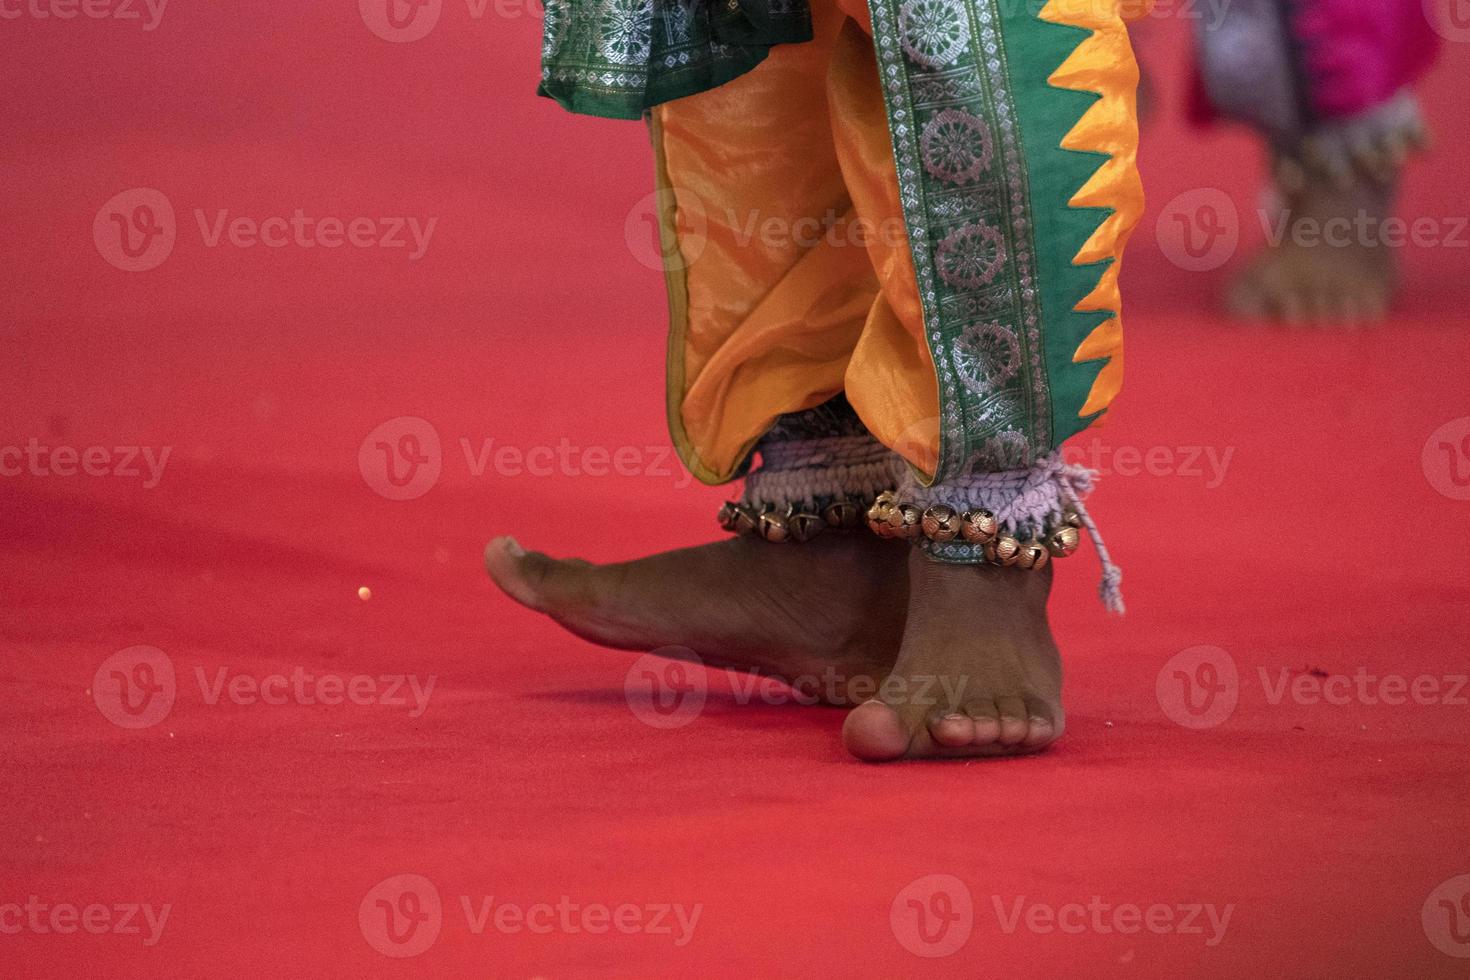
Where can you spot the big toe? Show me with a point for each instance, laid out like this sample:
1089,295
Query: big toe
873,732
530,578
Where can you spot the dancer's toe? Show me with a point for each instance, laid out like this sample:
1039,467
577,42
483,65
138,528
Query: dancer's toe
535,580
874,732
953,730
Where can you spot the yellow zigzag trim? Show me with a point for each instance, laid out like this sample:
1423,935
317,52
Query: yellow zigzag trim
1104,64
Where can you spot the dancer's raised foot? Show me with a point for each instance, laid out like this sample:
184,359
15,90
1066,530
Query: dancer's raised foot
828,613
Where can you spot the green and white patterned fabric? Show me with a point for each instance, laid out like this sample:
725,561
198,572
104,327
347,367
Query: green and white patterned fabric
619,58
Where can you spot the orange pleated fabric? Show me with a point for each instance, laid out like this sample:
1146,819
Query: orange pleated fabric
792,261
792,280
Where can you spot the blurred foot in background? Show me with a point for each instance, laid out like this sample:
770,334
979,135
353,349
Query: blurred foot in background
1326,82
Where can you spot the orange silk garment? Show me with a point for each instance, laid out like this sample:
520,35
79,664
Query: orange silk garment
795,261
792,279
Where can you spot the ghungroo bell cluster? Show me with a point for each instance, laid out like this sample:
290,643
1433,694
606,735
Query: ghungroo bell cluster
779,524
891,518
888,517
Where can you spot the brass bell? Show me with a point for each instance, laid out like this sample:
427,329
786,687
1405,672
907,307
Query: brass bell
1071,518
941,523
1004,550
1033,554
979,527
1063,542
729,514
805,526
774,526
844,514
747,521
878,515
906,522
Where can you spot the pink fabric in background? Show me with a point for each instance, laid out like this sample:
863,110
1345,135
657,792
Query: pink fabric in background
1359,53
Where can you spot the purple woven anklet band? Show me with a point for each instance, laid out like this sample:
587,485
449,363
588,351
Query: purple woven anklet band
811,472
1025,503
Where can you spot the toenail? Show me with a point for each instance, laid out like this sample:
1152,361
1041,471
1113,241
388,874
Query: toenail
956,717
514,548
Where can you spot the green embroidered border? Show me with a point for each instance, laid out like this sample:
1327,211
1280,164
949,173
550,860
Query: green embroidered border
984,182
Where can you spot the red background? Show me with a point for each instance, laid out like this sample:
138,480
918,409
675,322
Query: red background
529,320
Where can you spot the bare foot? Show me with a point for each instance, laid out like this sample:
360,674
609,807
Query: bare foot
799,612
978,673
1331,266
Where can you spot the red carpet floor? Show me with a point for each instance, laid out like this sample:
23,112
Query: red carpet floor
1281,497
